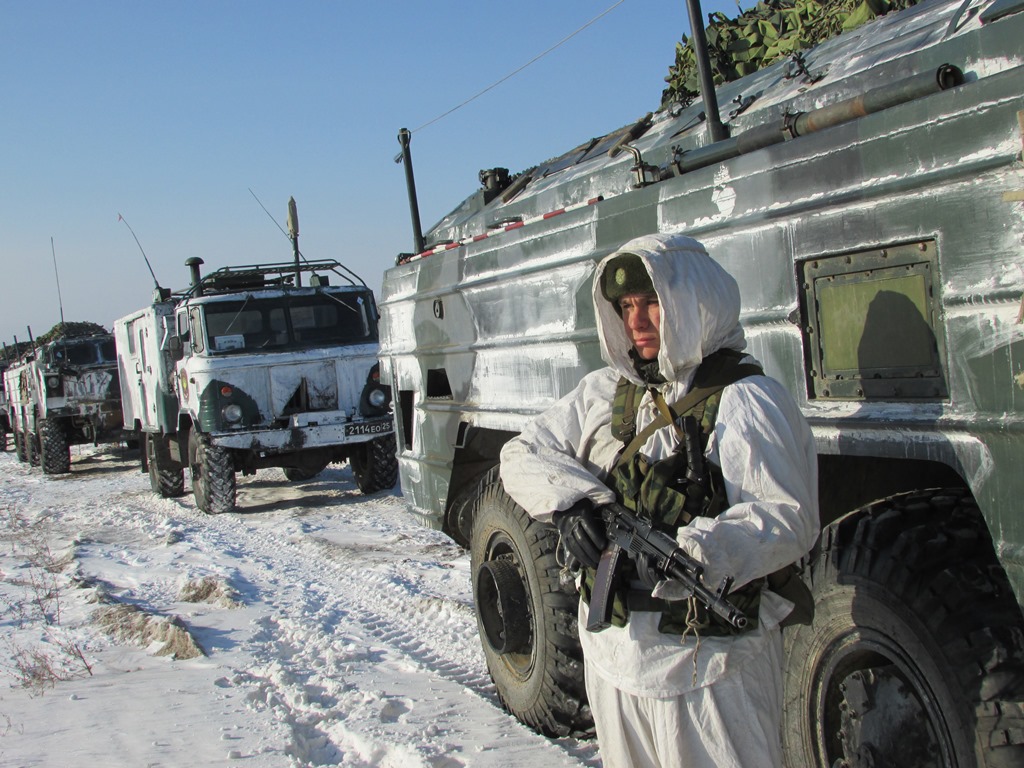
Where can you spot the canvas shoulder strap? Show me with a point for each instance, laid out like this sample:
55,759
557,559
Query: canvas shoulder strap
715,373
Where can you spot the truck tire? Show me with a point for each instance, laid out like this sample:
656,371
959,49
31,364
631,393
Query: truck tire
32,448
526,619
213,475
20,449
166,481
375,464
54,448
915,656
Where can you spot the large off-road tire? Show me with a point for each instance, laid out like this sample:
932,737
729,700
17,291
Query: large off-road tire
527,620
165,479
20,447
54,448
915,657
32,448
213,475
375,464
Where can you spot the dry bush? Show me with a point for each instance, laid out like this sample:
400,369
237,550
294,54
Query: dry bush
55,657
130,624
209,589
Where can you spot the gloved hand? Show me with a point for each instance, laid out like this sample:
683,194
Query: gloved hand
582,532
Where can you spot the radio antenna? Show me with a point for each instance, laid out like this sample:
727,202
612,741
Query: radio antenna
60,301
293,240
156,282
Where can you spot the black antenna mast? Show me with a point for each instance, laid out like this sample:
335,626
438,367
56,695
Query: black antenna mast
156,283
60,301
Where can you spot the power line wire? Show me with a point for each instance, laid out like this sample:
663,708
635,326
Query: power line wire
539,56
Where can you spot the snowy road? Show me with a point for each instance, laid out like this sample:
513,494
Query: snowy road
341,632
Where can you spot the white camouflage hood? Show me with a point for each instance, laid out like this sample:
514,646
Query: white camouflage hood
700,307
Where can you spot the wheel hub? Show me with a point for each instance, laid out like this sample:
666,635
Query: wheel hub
503,606
876,711
883,722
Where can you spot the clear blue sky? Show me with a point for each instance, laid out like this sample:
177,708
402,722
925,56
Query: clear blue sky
169,113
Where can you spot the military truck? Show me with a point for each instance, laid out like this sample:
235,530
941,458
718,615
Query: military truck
5,419
61,393
248,369
867,196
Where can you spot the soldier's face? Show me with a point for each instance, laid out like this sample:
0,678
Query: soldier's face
641,315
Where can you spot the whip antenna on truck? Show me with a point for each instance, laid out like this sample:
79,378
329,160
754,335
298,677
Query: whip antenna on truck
60,301
293,216
160,293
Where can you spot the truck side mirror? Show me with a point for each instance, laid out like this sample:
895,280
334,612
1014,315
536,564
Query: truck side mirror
175,347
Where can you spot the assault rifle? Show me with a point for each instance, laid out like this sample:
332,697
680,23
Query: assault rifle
639,539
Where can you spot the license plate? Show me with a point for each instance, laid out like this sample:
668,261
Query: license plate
368,428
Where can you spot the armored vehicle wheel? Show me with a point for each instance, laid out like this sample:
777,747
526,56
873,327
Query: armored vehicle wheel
165,480
213,475
55,451
527,622
375,464
915,657
297,475
20,450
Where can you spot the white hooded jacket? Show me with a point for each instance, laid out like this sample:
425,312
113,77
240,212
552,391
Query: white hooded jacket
761,442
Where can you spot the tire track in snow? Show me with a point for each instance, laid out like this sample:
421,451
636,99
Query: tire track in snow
379,629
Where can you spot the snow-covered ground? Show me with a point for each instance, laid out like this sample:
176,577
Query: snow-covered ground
333,629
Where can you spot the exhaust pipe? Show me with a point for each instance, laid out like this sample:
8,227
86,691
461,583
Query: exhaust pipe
197,280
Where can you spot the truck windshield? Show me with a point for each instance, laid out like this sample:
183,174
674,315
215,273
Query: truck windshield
85,352
288,322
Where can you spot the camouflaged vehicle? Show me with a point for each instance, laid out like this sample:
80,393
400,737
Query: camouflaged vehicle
867,196
249,369
64,392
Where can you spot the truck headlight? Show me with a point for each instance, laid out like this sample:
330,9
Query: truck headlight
378,398
232,413
52,382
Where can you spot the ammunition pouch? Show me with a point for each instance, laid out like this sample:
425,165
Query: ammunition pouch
664,493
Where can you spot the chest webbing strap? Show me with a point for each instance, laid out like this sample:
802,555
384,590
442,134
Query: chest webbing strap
715,373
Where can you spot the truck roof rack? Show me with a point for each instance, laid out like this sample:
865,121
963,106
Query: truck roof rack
255,276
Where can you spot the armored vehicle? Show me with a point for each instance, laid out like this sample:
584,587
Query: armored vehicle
250,369
867,197
62,393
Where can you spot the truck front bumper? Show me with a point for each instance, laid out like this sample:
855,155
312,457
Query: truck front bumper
306,430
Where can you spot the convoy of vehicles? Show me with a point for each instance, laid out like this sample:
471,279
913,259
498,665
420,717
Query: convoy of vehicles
64,392
867,197
5,419
248,369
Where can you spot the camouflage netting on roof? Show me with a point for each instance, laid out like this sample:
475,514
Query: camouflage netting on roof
771,30
70,331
